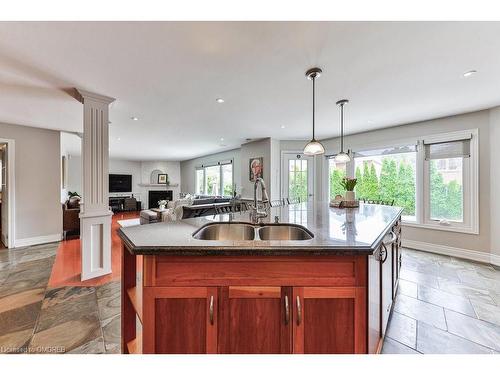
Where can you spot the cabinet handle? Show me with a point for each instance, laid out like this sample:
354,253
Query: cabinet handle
299,311
383,253
211,310
287,311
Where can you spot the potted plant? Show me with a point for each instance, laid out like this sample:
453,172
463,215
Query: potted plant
349,184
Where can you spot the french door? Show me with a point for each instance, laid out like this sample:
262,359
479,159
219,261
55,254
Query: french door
298,176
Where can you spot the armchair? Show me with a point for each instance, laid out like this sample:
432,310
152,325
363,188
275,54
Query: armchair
71,219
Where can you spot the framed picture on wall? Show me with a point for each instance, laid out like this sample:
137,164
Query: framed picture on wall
256,166
163,178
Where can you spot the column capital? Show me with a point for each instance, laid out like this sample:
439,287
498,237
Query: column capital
81,95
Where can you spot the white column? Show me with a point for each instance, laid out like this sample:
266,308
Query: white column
95,215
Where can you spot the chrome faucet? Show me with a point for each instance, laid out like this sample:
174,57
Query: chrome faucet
256,214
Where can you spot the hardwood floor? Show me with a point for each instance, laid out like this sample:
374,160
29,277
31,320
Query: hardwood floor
68,263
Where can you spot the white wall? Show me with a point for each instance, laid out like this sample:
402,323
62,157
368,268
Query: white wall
188,167
74,174
172,168
275,182
252,150
133,168
495,181
38,210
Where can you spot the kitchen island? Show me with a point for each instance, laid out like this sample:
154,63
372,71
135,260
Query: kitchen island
220,284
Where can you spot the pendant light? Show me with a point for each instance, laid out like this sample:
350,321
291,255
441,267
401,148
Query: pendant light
313,147
342,157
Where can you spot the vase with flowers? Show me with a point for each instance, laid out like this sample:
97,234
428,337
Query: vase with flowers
162,204
349,184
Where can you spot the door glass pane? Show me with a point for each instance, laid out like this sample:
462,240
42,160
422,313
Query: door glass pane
212,183
446,189
297,179
227,179
199,181
336,171
388,176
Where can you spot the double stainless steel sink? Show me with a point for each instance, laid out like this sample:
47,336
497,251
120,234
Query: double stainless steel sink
238,231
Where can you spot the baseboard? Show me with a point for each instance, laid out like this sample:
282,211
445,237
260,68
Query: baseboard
37,240
452,251
495,259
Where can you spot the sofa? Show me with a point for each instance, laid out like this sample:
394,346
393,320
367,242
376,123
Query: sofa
184,208
192,211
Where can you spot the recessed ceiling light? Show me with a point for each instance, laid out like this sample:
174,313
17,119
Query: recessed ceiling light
469,73
282,126
119,138
219,100
134,118
222,139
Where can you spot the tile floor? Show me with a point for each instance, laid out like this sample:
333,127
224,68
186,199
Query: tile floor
35,318
444,305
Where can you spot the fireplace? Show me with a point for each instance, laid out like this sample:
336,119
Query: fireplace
157,195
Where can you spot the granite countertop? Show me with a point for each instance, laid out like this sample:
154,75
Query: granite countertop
350,231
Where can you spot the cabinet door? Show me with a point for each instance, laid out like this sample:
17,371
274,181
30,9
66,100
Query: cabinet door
396,257
374,307
255,320
387,285
180,320
329,320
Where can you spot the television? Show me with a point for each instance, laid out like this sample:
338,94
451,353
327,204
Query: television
120,183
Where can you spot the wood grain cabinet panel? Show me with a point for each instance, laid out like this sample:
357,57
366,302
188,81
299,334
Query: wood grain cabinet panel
329,320
254,320
180,320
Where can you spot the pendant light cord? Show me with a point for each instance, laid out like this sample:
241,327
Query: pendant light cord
342,128
314,90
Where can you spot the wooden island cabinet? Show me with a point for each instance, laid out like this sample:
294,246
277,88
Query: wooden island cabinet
259,304
320,301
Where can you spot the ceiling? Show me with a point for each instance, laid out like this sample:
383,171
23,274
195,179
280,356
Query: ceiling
168,74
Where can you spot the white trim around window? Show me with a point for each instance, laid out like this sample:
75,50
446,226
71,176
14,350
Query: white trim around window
219,164
470,184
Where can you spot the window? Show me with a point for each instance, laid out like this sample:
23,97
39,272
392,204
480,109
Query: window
297,179
448,184
435,179
215,179
446,191
389,175
227,179
336,172
212,180
200,178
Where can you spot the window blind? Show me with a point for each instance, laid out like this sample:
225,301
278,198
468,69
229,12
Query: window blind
446,150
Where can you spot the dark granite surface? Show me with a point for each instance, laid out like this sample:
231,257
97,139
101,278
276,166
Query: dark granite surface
353,231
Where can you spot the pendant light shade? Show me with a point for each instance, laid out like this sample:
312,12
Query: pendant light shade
342,157
313,147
